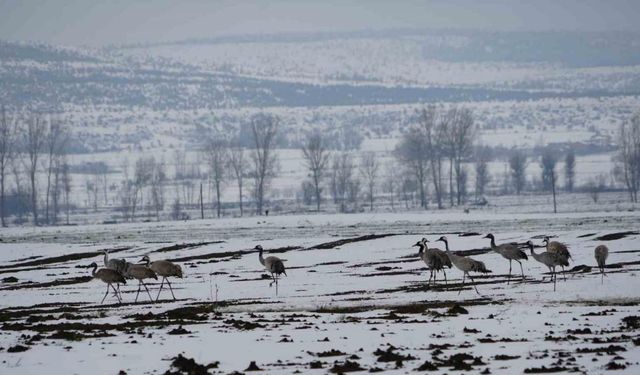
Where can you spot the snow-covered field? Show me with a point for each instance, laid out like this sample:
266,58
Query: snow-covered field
362,302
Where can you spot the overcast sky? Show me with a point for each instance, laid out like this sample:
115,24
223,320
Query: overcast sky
102,22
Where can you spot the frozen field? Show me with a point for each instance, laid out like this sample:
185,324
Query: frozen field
357,304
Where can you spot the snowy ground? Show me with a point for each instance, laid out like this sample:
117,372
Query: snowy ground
363,302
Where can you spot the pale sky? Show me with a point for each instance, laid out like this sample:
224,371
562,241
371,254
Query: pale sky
103,22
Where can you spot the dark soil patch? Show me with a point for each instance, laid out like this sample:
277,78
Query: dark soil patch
456,310
615,366
76,336
631,322
10,279
347,366
184,246
587,235
242,325
427,366
334,244
544,370
468,234
460,362
63,258
188,366
315,365
58,282
470,330
615,236
505,357
583,331
392,273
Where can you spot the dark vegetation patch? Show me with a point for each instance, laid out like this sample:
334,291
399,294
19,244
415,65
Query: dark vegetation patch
184,246
253,367
470,330
615,236
490,340
64,258
10,279
611,349
334,244
468,234
427,366
615,366
586,235
18,349
631,322
178,331
232,254
460,362
77,336
412,308
391,273
242,325
48,284
188,366
329,353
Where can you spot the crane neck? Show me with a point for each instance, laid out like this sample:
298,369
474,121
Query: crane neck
95,266
106,258
493,243
260,258
446,245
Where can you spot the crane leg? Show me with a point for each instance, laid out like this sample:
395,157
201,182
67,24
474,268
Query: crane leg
171,289
463,276
149,293
105,295
554,280
508,277
274,279
445,276
139,286
430,276
521,270
474,284
564,275
117,295
161,284
435,275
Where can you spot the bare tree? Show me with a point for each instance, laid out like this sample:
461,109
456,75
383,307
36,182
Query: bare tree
343,181
7,151
391,181
433,128
217,158
237,162
54,145
595,186
369,171
156,182
462,133
66,186
628,157
483,155
569,170
549,177
518,167
34,141
264,128
316,158
412,151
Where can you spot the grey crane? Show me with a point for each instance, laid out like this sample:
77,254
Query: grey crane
435,259
464,264
140,272
119,265
510,252
550,260
601,253
165,269
109,277
561,250
271,264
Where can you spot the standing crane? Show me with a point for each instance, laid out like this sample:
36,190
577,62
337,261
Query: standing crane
165,269
271,264
108,276
140,272
561,250
435,259
550,260
510,252
464,264
601,253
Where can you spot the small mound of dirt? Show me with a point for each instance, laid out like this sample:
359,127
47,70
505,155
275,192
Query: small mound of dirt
427,366
10,279
615,366
187,366
631,322
18,349
390,355
242,325
315,364
329,353
347,366
584,331
611,349
459,362
470,330
457,309
178,331
544,370
253,367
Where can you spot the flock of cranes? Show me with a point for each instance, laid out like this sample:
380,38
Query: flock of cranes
117,271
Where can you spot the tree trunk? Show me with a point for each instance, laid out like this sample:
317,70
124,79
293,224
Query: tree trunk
553,190
451,182
218,198
201,203
34,198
